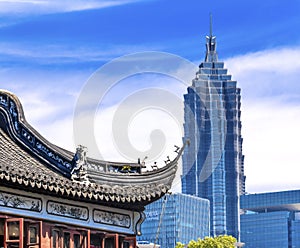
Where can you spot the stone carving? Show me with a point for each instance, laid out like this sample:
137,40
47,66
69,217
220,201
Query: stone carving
14,114
3,101
79,171
20,202
42,148
96,167
110,218
27,136
66,210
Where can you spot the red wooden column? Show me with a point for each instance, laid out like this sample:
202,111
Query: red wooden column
103,242
116,240
88,241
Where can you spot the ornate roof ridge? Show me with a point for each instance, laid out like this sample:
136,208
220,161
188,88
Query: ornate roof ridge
21,131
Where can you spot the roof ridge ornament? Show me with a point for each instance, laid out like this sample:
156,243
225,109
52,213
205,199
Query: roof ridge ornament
79,170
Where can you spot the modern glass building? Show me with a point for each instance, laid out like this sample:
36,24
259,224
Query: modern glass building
295,231
271,219
213,164
176,218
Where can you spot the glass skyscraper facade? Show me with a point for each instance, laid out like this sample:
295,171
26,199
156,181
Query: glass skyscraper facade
213,164
271,219
176,218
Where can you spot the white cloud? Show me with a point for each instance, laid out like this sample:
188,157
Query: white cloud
137,106
139,131
60,132
28,7
48,100
271,137
270,117
267,73
280,59
142,124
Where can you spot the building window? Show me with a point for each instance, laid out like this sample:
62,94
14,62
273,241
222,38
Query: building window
14,233
129,242
55,238
2,232
66,240
96,240
13,230
109,242
32,233
77,241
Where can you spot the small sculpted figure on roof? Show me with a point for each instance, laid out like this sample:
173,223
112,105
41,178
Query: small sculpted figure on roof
79,171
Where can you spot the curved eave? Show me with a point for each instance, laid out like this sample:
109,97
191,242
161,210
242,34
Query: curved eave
131,197
165,174
161,175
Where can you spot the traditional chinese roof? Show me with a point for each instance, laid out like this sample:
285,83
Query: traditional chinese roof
30,162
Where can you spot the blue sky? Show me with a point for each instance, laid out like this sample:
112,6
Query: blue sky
49,49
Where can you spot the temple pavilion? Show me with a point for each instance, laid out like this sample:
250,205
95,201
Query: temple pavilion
51,197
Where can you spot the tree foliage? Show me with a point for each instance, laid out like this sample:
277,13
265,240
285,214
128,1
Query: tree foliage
223,241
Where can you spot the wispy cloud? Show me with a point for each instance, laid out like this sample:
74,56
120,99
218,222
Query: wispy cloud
28,7
68,53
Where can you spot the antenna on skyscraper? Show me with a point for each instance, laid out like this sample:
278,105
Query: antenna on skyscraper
210,25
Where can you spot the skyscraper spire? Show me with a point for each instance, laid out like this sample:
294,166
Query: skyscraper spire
210,25
211,53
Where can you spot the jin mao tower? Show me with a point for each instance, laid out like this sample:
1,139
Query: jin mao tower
213,164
